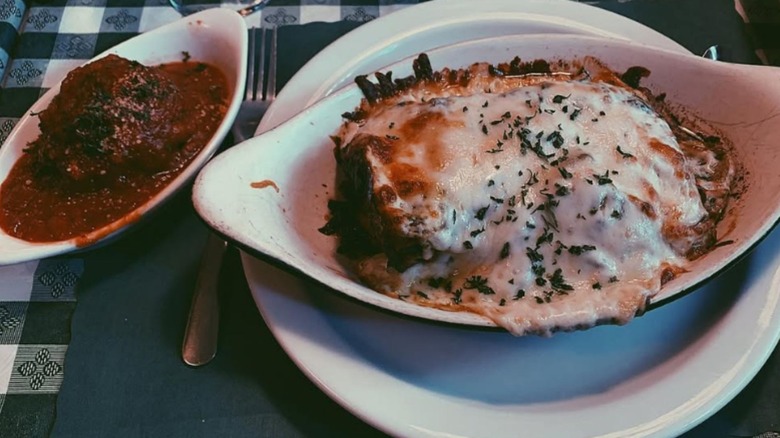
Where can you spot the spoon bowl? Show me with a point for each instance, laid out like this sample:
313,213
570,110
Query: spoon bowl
270,194
217,37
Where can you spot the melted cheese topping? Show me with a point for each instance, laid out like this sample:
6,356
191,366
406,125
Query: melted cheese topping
546,205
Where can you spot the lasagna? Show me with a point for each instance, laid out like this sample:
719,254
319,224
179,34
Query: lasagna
543,196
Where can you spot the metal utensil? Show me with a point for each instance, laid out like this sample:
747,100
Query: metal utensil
184,9
202,331
254,7
712,52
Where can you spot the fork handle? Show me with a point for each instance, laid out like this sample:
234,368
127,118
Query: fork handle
202,331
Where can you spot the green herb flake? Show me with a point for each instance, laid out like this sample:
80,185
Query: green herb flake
479,283
556,139
579,249
565,173
624,154
456,298
505,251
603,179
558,283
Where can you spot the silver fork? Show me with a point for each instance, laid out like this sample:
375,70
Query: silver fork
202,331
255,104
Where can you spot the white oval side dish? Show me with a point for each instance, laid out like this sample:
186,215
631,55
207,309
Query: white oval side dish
215,36
278,219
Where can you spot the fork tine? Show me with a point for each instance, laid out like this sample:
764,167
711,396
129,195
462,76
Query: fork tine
250,66
270,89
261,67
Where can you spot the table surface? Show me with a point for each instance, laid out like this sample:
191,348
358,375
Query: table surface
90,343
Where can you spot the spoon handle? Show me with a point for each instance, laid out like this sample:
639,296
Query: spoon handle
201,334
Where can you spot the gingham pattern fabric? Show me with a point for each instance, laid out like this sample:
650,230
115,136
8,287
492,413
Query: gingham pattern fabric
36,303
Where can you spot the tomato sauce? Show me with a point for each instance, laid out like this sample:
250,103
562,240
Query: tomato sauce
115,136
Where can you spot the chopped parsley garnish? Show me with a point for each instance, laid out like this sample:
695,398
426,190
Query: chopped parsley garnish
533,179
623,153
422,294
520,294
556,139
560,98
479,283
546,237
481,213
596,285
468,245
536,261
505,251
558,283
579,249
565,173
603,179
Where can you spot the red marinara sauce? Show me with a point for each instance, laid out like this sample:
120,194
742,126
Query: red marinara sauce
116,134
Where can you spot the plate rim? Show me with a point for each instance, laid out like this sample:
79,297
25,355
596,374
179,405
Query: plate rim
249,263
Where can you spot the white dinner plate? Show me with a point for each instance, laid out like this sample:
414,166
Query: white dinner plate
659,376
